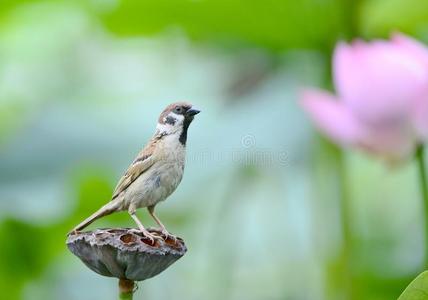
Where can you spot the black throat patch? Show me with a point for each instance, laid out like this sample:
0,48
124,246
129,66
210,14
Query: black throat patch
183,135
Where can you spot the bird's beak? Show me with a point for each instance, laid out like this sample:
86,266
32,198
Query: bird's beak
192,112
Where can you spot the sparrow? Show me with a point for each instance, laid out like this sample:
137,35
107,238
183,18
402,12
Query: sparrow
156,171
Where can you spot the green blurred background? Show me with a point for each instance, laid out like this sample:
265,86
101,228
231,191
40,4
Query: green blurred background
261,206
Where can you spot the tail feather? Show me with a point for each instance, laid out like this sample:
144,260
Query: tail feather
107,209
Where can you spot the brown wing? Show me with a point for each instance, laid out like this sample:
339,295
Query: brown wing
143,162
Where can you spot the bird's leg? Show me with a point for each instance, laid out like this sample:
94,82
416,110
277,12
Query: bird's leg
151,210
142,229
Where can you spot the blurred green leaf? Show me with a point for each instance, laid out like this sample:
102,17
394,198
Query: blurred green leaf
273,24
23,255
93,190
22,247
418,289
383,16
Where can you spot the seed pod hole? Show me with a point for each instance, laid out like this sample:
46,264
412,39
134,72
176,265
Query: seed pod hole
171,242
128,238
149,242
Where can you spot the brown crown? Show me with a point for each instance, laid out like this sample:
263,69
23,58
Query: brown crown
170,108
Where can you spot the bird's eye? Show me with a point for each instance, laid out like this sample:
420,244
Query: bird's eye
178,110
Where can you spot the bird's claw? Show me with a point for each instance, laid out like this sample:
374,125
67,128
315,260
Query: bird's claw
146,234
168,235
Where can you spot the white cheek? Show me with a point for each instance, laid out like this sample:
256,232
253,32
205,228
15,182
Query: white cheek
169,128
179,118
164,127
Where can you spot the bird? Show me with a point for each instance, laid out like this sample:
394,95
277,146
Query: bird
155,173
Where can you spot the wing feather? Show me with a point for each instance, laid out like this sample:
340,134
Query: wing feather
141,164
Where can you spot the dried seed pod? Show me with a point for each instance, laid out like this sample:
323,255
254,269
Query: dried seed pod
124,253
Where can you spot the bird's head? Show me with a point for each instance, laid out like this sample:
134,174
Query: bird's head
176,118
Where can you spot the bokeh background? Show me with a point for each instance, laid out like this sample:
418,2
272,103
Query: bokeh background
261,206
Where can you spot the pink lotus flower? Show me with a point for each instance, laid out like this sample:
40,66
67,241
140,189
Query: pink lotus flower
381,104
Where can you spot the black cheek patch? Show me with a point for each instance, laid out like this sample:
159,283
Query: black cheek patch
170,120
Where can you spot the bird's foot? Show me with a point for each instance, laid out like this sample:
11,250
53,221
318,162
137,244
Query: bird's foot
146,234
168,235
